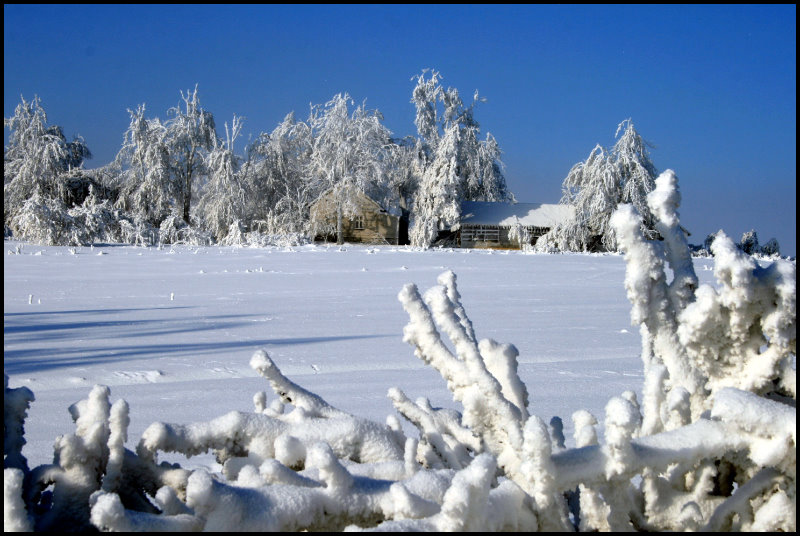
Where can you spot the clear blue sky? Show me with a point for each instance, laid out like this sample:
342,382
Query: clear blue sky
713,88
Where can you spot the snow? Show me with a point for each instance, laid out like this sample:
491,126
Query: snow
187,339
331,327
507,214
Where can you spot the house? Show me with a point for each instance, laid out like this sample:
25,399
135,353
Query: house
487,225
371,223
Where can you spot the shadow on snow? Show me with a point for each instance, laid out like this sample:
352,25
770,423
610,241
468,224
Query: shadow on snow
39,359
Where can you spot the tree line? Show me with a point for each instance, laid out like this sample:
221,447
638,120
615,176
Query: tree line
181,179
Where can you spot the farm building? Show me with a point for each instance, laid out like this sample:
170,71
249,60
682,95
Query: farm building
487,225
371,224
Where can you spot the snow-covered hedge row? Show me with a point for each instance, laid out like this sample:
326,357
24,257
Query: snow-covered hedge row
711,445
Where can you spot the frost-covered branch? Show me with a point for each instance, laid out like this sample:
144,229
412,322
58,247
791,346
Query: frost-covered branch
58,495
487,409
251,438
742,334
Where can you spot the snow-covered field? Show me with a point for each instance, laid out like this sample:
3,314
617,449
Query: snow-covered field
172,330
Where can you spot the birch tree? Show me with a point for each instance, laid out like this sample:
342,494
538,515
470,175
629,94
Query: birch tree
637,173
452,158
437,204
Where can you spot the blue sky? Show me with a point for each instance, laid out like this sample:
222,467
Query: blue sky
713,88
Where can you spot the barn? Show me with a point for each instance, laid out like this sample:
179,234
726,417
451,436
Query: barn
489,225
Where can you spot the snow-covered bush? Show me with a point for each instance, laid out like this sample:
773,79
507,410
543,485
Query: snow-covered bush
749,242
49,221
771,248
710,446
174,230
43,220
94,221
520,234
137,231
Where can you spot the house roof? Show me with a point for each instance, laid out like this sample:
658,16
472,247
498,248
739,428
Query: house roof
361,194
506,214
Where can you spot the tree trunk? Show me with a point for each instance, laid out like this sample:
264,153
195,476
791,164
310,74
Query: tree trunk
339,226
187,200
187,187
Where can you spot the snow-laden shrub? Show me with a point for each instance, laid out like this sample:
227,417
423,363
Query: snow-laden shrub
94,221
137,231
174,230
520,234
749,242
771,248
238,236
43,220
49,221
287,239
711,445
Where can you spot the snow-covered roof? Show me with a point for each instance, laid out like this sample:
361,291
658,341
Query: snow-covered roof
506,214
393,209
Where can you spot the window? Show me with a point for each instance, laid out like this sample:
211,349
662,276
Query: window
358,222
480,233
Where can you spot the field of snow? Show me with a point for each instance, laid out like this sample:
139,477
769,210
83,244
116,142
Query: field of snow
172,330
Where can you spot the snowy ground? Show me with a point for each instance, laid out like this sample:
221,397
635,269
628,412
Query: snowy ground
172,331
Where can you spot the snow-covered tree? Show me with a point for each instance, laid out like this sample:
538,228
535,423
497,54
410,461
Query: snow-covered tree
492,184
749,242
147,192
190,135
591,187
35,160
437,203
441,110
771,248
425,97
404,170
275,174
637,173
452,159
159,167
349,155
223,199
595,187
61,206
